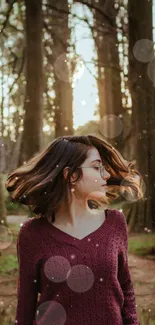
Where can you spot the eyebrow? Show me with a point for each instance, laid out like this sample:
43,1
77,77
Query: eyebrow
99,160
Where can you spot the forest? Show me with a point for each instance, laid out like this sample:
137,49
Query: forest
78,67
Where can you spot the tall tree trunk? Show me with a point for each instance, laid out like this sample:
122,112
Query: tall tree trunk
62,84
143,115
3,218
109,80
33,120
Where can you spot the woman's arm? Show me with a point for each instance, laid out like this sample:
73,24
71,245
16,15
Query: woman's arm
129,307
27,291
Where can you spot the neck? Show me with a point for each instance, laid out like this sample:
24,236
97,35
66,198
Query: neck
72,212
76,214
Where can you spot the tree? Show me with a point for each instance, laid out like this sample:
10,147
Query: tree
33,119
109,80
3,219
58,28
104,33
143,116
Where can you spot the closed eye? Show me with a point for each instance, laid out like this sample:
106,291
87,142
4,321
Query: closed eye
97,168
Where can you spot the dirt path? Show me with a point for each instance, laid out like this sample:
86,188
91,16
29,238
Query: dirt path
143,276
16,219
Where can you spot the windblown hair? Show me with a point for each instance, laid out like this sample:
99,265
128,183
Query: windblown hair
40,182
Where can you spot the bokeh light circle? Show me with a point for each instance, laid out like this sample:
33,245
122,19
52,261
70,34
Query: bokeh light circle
110,126
143,50
56,268
80,278
6,237
95,203
50,312
69,67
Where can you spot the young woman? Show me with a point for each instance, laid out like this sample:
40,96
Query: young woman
74,261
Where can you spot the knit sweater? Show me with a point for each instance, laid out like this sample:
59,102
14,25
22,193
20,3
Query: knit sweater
63,280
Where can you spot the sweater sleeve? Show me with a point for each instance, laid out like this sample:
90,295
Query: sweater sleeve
129,307
27,285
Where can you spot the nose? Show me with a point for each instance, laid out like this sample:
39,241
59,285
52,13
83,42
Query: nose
106,175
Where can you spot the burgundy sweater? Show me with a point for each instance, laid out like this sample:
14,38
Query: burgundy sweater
67,281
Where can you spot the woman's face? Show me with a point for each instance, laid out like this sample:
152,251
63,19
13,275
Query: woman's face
92,179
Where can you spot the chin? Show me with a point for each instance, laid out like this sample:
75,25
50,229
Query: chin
103,189
96,194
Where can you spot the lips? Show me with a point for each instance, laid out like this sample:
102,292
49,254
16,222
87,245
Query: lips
104,184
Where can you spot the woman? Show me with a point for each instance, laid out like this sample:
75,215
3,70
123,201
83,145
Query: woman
74,261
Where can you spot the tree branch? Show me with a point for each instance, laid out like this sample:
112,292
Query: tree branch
85,19
63,11
7,15
97,8
91,6
53,34
19,72
15,28
6,65
12,53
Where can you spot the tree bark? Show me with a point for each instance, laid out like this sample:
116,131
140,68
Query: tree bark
33,120
60,33
143,113
3,218
109,79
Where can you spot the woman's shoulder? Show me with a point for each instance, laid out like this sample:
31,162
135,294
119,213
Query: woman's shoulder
29,239
121,222
117,212
119,216
30,226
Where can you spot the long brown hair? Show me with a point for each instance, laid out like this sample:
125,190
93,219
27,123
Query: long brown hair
41,185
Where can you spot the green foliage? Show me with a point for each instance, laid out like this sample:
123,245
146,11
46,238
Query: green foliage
14,229
12,207
142,244
90,127
147,318
8,264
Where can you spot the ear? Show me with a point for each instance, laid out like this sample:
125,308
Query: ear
65,173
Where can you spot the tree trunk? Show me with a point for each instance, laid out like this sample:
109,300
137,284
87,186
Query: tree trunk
33,120
3,219
143,114
109,80
62,85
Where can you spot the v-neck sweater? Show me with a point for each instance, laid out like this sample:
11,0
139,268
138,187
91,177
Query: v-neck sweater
63,280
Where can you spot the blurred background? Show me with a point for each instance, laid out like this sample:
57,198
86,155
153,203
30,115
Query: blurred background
71,68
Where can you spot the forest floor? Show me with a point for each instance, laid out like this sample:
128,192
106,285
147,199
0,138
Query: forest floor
142,270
